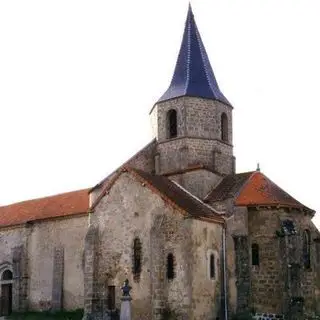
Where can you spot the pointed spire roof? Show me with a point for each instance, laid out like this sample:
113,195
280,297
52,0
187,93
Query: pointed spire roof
193,75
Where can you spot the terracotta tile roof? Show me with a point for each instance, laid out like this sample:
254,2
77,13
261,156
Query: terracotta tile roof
65,204
228,187
260,190
179,196
253,188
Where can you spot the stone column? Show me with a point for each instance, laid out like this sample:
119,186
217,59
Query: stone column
157,268
91,296
241,246
57,283
20,279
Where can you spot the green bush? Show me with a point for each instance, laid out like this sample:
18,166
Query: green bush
47,315
245,315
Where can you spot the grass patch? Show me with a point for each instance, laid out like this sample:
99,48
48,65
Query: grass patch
47,315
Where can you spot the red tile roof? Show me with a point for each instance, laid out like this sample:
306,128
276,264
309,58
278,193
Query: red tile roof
260,190
61,205
228,187
253,189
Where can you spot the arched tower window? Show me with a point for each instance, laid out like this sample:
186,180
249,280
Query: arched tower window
172,123
224,127
255,254
307,249
212,266
6,275
170,266
136,268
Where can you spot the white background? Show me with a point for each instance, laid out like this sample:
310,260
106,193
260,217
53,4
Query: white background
78,79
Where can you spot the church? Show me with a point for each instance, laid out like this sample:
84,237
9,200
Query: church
195,239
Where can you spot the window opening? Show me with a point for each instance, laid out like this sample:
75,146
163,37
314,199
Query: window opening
170,266
136,258
224,127
7,275
212,267
172,119
307,249
111,297
255,254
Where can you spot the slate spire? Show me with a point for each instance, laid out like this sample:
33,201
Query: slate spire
193,75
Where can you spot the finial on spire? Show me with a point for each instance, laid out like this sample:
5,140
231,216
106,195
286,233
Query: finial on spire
258,166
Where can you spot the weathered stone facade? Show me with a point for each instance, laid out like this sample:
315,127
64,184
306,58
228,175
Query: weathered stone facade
46,261
195,240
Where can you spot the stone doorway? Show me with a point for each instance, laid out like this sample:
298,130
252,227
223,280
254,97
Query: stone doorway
6,293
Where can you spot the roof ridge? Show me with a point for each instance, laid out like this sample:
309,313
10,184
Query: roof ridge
122,165
198,199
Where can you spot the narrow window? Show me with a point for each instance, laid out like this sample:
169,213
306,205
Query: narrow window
136,259
224,127
172,123
212,267
170,266
255,254
307,249
7,275
111,297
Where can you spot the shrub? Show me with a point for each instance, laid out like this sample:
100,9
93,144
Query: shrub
245,315
48,315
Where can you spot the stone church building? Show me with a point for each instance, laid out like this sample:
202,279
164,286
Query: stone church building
194,238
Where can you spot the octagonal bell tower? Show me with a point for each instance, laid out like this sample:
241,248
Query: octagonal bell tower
192,121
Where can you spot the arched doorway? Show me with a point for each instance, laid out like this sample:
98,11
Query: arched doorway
6,293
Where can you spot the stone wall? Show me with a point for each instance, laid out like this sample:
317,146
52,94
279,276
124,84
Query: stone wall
129,210
198,182
184,152
206,291
199,135
56,254
13,256
46,260
124,213
281,279
197,117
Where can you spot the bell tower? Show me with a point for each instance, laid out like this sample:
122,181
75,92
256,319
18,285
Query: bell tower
192,121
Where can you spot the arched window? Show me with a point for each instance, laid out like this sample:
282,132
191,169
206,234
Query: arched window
255,254
307,249
6,275
172,123
212,266
224,127
170,266
136,268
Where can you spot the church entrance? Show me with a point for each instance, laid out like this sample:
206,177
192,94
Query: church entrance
6,293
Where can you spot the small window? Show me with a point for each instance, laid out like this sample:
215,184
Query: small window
6,275
288,227
111,297
307,249
212,266
136,259
224,127
172,123
255,254
170,266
